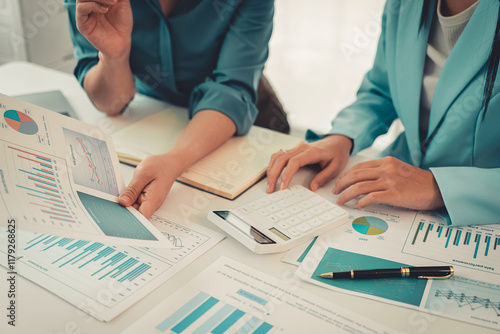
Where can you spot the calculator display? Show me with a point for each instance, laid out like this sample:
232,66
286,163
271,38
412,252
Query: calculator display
243,227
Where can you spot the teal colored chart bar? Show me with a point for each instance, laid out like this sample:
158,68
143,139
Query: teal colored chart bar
228,322
113,219
249,326
263,329
487,246
214,320
478,238
252,297
181,312
303,255
195,315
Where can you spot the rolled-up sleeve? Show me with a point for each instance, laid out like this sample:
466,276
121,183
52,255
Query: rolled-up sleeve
84,52
232,86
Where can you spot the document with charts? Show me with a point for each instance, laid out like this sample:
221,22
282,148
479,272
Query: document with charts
105,280
61,176
381,236
229,297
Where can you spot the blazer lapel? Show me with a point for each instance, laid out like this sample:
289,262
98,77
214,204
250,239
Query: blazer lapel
410,59
466,59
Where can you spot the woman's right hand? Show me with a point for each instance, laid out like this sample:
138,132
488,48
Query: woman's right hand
107,25
331,153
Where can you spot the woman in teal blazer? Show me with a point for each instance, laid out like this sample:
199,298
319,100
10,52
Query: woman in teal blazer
206,55
456,167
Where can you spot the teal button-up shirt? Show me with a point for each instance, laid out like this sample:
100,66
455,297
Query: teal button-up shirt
207,54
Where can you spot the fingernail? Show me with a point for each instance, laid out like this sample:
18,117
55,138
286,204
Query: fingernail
314,187
268,187
282,186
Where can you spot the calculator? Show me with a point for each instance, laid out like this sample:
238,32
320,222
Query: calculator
279,221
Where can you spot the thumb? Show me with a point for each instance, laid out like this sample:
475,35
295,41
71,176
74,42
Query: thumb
154,196
131,193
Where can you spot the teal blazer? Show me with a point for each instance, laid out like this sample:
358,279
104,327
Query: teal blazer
462,149
205,55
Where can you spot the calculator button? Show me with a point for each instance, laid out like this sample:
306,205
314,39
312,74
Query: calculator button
263,212
326,216
293,231
315,210
293,221
273,208
305,205
263,201
294,209
327,206
314,222
304,227
283,225
282,214
284,203
273,218
316,199
304,215
254,206
244,210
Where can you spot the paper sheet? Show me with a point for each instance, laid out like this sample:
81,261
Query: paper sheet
104,280
229,297
385,237
61,176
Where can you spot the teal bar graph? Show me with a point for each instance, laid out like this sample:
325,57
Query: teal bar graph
181,312
195,315
206,314
113,219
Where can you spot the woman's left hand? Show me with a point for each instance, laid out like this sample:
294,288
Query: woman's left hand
390,181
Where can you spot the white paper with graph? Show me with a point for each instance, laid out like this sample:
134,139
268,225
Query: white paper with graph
229,297
381,236
61,176
105,280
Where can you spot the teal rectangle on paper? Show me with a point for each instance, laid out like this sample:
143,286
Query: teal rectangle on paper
403,290
252,297
113,219
181,312
195,315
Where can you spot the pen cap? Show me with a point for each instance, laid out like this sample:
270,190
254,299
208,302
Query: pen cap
431,272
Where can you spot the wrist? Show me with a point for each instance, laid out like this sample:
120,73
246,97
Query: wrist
178,160
119,62
344,142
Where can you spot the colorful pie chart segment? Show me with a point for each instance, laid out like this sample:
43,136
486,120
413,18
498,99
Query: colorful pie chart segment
20,122
370,225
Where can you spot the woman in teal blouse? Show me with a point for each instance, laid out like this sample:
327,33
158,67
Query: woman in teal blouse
207,55
435,70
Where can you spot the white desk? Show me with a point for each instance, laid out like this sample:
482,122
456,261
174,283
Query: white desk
39,311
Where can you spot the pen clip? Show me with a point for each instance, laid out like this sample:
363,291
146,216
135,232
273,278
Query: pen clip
437,277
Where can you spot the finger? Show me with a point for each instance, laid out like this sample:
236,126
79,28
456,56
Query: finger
130,195
328,173
358,189
363,165
376,197
278,163
101,2
153,197
354,176
293,165
84,9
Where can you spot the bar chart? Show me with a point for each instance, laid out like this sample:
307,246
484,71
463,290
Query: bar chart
206,314
475,246
40,187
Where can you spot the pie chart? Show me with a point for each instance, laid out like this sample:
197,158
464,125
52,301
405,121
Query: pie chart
20,122
370,225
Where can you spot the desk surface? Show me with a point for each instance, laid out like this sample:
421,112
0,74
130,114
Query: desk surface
42,312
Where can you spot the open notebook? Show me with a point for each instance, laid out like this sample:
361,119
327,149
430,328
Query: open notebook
227,171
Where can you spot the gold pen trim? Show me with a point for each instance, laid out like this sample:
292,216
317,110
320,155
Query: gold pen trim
452,272
405,272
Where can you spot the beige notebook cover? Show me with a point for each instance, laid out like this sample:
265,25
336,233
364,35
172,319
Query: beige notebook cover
227,171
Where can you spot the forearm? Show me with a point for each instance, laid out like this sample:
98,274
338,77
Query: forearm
110,84
207,130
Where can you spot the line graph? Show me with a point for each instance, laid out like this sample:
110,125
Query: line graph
474,302
92,165
90,162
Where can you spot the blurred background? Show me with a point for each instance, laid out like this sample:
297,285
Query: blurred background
319,50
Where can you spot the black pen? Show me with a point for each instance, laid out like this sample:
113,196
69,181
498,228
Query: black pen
440,272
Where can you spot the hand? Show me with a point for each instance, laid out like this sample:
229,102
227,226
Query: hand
331,153
107,25
151,183
390,181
